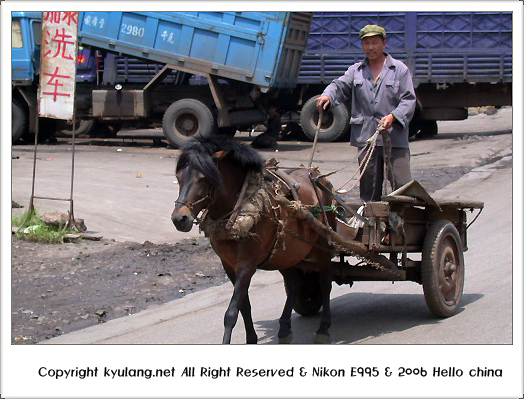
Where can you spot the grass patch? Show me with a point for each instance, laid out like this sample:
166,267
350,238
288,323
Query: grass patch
35,230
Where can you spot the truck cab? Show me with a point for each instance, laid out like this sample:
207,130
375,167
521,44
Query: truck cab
26,28
26,37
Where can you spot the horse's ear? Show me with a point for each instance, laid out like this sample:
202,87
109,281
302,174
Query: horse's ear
219,155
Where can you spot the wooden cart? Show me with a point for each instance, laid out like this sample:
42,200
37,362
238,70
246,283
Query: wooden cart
406,222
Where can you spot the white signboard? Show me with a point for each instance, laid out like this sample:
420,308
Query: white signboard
56,94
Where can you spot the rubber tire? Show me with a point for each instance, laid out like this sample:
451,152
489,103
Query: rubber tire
196,114
335,121
18,122
308,299
441,244
85,127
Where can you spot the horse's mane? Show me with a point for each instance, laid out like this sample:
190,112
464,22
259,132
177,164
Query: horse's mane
198,154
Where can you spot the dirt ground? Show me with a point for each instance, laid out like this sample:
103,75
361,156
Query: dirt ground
59,288
66,287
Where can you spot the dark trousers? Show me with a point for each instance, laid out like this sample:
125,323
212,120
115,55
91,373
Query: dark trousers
373,178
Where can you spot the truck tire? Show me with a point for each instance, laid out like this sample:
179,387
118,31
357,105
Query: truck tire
84,127
335,121
186,119
19,121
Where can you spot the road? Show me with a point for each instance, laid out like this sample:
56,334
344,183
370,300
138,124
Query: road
371,312
367,313
126,192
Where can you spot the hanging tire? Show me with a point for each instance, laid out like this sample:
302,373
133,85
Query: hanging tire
186,119
442,269
335,121
308,299
18,122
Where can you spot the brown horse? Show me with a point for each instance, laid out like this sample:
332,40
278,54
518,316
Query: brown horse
211,174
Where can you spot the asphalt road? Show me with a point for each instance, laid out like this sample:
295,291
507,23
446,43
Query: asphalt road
367,313
125,191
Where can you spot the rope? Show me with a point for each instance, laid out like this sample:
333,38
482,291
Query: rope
320,112
387,164
371,143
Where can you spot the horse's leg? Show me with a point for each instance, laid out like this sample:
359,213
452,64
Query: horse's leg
239,302
326,277
245,310
285,336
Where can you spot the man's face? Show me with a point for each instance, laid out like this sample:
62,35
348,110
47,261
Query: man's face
373,47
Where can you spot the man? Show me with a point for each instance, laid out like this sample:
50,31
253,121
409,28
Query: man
268,139
381,91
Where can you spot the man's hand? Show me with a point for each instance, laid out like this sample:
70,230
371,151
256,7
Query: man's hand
387,121
323,102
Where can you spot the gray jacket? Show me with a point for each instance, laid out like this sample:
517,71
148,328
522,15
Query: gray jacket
394,95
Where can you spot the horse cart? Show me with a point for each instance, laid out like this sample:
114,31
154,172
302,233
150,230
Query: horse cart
262,216
407,222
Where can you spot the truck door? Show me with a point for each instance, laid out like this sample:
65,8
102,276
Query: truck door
25,49
22,68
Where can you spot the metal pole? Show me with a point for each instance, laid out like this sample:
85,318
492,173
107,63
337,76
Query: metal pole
31,200
71,220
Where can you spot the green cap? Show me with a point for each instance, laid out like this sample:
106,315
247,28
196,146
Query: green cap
372,30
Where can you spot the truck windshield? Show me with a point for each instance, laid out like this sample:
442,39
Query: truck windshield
16,35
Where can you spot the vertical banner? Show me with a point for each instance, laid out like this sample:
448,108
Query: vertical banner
56,95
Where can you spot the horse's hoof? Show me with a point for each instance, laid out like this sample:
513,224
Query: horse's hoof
322,338
286,340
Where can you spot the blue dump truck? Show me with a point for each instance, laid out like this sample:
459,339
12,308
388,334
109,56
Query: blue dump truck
202,73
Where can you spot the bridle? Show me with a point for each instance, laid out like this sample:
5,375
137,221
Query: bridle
191,205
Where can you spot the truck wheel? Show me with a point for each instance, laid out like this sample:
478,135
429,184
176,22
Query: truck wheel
335,121
84,127
185,119
19,121
308,300
442,268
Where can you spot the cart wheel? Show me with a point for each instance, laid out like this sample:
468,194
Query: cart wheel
442,268
308,299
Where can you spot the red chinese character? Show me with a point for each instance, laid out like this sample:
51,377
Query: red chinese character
70,17
53,17
60,38
53,81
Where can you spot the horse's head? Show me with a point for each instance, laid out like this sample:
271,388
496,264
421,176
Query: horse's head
199,176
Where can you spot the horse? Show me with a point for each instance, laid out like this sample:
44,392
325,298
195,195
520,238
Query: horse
212,174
